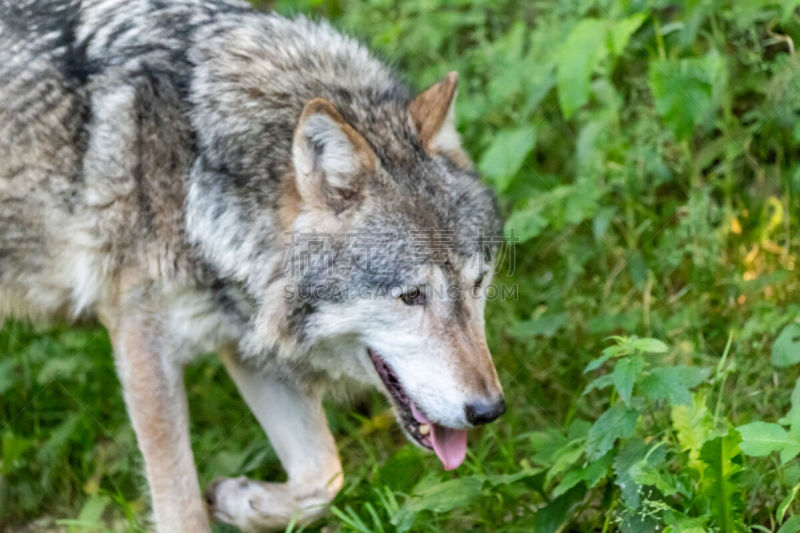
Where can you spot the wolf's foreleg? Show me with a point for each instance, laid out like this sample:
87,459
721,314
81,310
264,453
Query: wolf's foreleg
295,423
156,402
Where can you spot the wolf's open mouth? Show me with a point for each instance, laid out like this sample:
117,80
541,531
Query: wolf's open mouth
449,444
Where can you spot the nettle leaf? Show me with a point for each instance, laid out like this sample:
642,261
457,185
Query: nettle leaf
608,352
624,375
672,383
591,473
618,422
526,223
577,59
693,425
578,429
546,444
564,459
791,526
441,497
763,438
630,452
505,155
649,345
647,472
551,517
723,463
786,349
600,383
685,91
594,364
682,523
498,480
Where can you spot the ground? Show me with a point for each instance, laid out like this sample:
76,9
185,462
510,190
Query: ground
646,156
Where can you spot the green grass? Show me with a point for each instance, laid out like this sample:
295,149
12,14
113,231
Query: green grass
646,154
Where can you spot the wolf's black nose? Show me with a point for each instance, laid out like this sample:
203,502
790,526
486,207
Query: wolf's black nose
482,412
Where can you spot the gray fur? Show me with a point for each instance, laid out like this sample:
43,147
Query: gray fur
144,146
123,121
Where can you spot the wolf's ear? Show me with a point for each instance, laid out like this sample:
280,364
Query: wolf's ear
331,159
433,113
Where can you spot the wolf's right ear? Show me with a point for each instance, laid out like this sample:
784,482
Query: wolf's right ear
331,159
433,113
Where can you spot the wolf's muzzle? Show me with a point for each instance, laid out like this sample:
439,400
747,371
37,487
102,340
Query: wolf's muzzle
484,412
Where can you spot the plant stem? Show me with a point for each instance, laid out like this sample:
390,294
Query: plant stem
724,376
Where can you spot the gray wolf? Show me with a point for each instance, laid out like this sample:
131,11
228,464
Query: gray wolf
156,158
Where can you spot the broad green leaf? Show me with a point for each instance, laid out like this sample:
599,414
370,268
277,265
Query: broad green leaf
578,57
591,473
504,157
578,429
672,383
788,8
618,422
723,463
565,458
786,348
551,517
763,438
608,352
630,452
791,526
594,364
648,471
508,479
546,444
643,466
91,514
625,373
439,498
648,345
685,91
599,383
681,523
622,30
525,223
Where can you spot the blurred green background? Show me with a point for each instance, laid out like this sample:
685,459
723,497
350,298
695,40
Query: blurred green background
646,156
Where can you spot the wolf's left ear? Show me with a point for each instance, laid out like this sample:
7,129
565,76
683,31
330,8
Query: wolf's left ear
331,159
433,113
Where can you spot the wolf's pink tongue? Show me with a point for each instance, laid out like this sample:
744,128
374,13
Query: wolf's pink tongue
449,444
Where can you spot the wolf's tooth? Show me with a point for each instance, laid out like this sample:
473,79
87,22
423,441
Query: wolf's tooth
424,429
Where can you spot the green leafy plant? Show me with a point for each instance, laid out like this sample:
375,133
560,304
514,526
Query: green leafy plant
645,155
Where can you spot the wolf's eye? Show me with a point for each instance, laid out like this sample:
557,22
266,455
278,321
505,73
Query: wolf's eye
414,297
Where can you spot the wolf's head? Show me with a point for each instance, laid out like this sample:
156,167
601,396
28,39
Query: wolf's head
390,239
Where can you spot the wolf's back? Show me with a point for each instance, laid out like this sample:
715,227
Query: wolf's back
42,114
106,105
94,143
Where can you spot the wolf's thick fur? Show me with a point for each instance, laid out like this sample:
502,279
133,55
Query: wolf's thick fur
154,156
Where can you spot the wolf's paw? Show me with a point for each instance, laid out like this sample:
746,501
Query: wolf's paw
255,506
